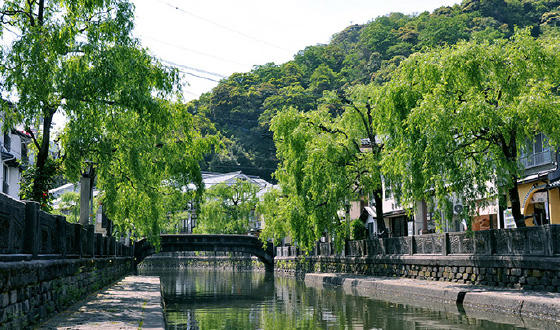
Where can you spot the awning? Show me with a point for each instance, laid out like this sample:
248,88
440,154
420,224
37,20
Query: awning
370,211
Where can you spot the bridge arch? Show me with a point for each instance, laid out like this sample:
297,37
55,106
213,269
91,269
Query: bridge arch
225,243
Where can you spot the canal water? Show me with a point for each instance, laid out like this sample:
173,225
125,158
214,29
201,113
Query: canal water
217,299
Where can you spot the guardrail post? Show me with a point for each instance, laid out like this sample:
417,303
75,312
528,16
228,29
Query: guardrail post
31,242
444,244
546,235
61,235
90,240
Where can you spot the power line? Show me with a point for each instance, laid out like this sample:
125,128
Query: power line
194,69
197,76
226,27
196,51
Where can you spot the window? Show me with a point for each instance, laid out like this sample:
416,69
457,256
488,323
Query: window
5,186
388,192
24,157
7,141
536,152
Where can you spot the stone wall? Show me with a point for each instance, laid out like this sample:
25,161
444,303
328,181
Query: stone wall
219,260
527,258
35,290
528,273
46,263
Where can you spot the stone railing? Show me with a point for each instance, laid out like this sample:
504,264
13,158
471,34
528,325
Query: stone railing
27,233
529,241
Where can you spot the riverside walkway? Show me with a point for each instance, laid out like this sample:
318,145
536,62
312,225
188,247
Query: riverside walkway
133,303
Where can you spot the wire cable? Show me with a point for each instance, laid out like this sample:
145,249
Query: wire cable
195,51
226,27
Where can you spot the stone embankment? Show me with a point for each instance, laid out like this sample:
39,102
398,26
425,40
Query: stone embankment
133,303
47,263
221,260
521,308
36,290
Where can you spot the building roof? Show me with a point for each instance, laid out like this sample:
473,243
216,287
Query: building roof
210,179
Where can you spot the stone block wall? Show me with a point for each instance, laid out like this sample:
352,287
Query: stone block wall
220,260
527,258
32,291
522,272
46,263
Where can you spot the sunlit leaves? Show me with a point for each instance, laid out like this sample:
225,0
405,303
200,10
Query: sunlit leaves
458,116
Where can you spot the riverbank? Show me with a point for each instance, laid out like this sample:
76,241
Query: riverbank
189,260
133,303
511,306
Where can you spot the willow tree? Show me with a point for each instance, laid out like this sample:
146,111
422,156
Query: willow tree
78,58
325,163
458,117
227,208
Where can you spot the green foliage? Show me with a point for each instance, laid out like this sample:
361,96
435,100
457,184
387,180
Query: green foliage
42,179
322,168
78,58
357,229
456,117
227,208
243,105
70,204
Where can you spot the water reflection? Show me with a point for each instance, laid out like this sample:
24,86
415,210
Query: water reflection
212,299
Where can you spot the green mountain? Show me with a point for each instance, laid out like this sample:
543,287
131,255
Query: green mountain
242,105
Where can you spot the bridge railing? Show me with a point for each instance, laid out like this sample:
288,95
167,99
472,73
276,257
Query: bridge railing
27,233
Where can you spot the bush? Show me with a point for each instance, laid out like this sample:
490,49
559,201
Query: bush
358,229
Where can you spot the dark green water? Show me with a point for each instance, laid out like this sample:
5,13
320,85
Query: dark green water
213,299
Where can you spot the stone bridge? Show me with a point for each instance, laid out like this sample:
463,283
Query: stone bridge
226,243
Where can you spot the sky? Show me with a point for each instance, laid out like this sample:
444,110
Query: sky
210,39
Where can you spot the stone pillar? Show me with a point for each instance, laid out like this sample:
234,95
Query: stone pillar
90,245
31,234
85,196
445,244
61,234
424,218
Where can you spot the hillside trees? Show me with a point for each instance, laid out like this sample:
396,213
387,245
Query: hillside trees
360,54
458,117
78,59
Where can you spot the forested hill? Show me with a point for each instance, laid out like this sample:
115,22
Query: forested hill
242,105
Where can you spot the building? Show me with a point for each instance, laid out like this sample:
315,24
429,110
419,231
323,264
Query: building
14,160
539,189
539,193
210,179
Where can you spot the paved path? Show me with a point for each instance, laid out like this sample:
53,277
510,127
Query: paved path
133,303
522,308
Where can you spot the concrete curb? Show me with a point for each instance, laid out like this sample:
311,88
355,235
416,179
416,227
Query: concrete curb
505,306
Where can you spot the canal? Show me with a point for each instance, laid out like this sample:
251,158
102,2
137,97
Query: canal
218,299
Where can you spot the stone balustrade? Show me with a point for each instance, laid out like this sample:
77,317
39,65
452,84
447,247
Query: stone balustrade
27,233
527,258
529,241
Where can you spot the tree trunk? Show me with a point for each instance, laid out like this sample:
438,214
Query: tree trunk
510,151
42,178
513,193
378,197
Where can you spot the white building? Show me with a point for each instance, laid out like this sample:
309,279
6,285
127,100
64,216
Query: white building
210,179
14,157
